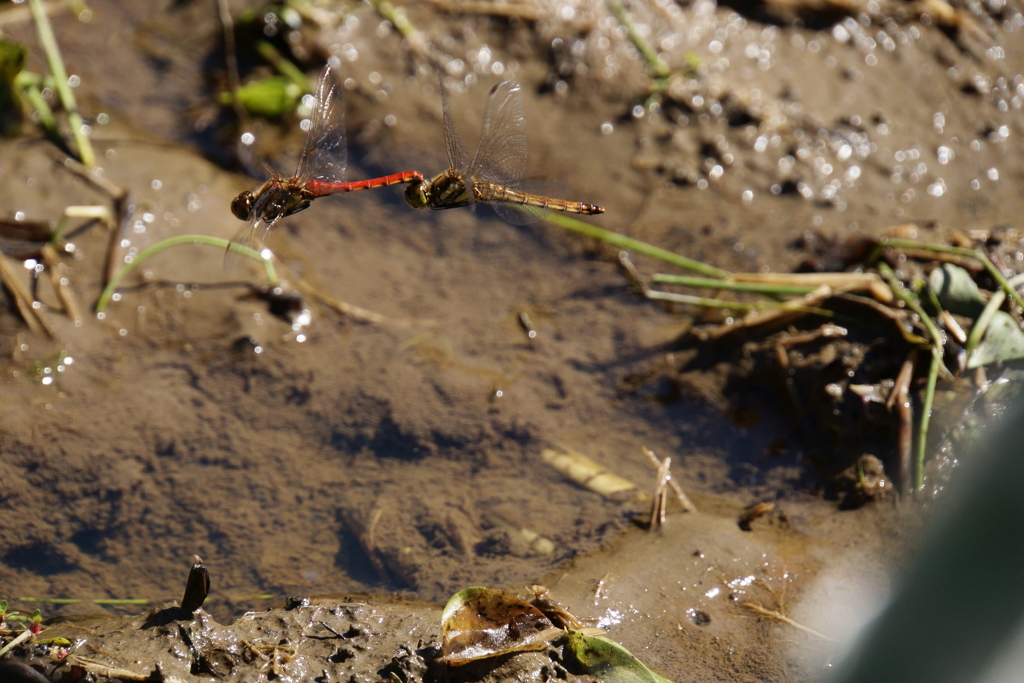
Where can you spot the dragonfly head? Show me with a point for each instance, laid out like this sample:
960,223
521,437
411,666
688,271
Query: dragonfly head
446,191
242,205
417,194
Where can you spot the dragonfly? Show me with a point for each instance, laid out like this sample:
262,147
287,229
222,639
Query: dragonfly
495,173
320,172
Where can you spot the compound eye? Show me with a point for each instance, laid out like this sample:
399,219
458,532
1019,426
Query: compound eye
241,206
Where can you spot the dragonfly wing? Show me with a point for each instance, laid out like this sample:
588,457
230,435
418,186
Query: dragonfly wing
457,157
501,155
253,236
524,214
325,154
251,161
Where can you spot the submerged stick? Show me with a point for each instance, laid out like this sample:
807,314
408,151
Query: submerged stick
60,283
174,241
586,472
764,611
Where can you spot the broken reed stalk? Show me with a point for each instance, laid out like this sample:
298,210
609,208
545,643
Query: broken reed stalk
684,500
976,254
21,638
736,305
731,285
30,86
285,67
933,369
398,19
492,9
97,601
654,60
230,56
900,397
174,241
60,81
23,299
96,213
634,245
926,416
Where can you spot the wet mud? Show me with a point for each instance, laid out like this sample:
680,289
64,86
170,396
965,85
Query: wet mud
381,431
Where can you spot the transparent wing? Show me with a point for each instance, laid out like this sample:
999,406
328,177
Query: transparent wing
251,161
325,155
501,155
457,157
524,214
253,235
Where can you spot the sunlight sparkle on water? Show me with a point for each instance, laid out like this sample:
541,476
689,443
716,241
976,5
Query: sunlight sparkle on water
741,582
713,592
611,618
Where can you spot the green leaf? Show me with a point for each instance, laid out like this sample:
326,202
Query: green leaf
12,59
956,290
271,97
1003,341
609,661
485,622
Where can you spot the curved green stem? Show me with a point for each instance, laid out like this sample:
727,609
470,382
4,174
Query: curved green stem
912,303
623,242
977,254
174,241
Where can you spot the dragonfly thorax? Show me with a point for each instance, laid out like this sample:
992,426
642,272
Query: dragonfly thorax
446,191
275,200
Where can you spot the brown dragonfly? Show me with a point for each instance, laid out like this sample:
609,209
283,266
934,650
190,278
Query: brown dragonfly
320,172
495,173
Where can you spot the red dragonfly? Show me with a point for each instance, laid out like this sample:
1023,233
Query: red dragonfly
321,171
495,174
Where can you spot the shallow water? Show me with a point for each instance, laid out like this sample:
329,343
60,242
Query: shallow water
170,435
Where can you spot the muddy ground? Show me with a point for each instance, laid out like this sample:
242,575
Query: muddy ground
360,454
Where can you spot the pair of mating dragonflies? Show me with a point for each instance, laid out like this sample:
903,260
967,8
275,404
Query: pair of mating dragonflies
494,175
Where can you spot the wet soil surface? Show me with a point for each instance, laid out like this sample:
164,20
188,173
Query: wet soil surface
398,449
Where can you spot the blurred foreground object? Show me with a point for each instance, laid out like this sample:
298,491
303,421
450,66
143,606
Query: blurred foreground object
961,605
